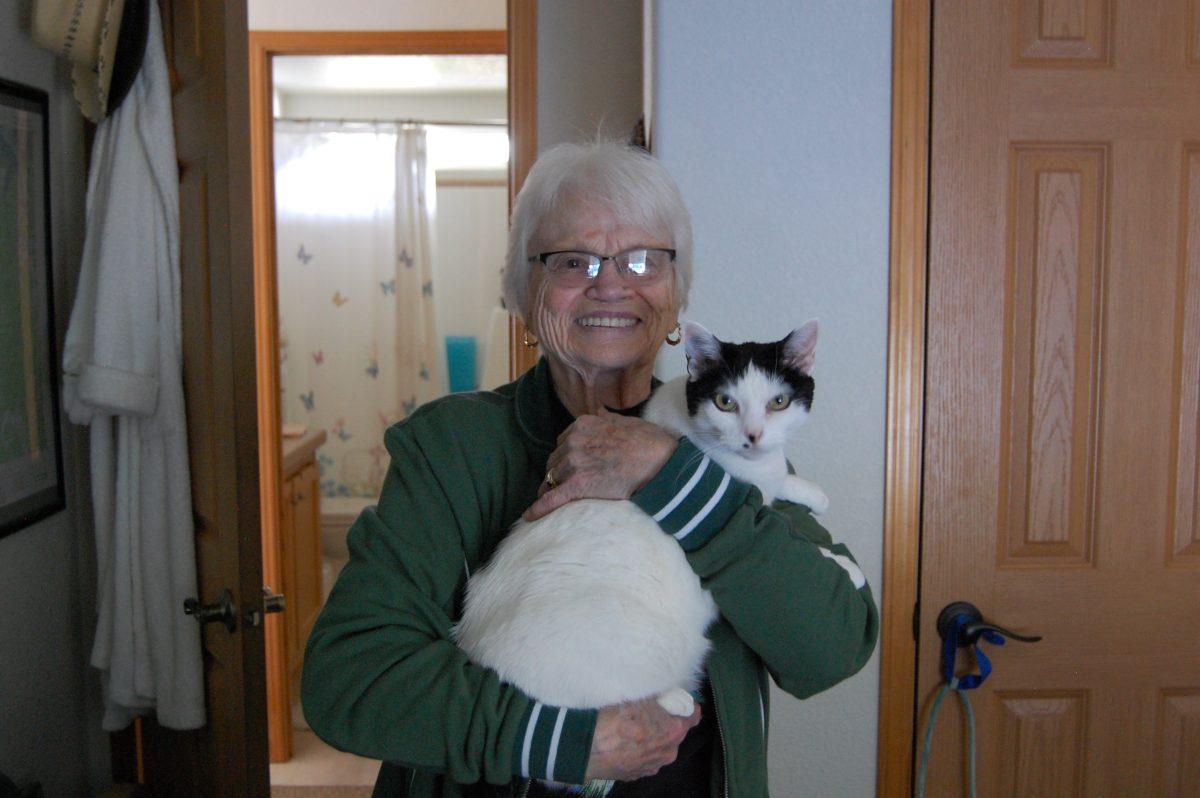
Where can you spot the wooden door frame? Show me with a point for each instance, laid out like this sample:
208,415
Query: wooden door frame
911,60
519,42
522,122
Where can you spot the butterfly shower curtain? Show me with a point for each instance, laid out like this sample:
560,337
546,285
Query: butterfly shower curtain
358,339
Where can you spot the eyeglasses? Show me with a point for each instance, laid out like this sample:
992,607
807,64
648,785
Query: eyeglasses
643,264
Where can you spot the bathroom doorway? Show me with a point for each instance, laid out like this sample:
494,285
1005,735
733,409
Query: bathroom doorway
382,182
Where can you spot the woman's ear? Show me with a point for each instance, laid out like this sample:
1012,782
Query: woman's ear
800,346
702,348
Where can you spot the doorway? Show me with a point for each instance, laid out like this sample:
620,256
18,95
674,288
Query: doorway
438,103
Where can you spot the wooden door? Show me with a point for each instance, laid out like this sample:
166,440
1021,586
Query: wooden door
1063,362
206,51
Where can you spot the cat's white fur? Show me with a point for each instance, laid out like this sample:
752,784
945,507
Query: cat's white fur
592,605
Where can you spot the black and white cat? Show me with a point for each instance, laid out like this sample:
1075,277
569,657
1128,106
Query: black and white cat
593,604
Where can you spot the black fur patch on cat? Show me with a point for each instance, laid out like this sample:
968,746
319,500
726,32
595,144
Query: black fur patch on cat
734,360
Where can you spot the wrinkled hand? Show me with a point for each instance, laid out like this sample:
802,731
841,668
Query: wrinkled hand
636,740
605,456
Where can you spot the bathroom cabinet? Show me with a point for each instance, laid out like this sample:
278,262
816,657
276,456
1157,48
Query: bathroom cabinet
300,547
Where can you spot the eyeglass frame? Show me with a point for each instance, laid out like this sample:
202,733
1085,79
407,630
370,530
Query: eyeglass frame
542,256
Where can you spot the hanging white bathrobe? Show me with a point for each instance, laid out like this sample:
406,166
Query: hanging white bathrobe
123,377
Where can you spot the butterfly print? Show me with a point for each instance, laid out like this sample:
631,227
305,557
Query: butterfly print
389,287
373,369
405,258
427,288
338,299
409,405
319,357
308,399
303,256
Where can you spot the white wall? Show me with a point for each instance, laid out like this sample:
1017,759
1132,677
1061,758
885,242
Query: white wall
377,14
49,697
589,76
774,117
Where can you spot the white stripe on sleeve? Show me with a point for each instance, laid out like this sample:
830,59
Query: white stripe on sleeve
705,510
856,574
533,717
558,724
684,491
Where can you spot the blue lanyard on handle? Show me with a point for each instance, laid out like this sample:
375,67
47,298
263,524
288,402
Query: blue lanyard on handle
955,635
950,648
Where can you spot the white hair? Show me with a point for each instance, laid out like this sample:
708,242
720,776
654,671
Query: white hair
625,181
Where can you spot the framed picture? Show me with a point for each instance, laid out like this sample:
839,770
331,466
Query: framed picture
31,472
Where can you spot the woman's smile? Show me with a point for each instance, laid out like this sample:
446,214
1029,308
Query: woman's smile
608,321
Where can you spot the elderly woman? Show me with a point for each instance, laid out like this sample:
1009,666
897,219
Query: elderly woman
599,265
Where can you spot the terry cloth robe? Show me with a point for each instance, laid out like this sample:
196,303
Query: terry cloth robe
123,376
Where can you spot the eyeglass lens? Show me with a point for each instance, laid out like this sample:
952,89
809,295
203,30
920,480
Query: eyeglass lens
583,266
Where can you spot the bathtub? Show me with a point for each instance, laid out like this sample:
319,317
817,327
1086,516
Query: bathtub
337,514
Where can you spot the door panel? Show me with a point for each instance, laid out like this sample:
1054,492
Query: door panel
1183,544
1063,361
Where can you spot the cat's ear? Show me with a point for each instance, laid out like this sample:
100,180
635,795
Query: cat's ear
702,349
800,346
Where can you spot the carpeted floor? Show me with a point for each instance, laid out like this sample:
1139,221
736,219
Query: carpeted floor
320,792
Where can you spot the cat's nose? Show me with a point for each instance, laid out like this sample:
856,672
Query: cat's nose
753,436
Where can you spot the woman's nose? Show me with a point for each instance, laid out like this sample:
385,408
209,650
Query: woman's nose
609,282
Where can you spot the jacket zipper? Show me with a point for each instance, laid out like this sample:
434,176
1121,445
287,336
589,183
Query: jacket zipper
721,740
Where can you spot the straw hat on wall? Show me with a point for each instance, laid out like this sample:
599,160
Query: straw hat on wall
103,39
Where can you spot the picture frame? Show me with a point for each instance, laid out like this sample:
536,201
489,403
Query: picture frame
31,464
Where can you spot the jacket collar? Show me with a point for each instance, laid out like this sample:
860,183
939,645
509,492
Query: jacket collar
541,415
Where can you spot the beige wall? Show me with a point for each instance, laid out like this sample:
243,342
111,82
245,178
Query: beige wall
377,14
589,69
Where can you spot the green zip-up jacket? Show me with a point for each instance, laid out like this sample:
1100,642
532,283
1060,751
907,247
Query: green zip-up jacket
382,678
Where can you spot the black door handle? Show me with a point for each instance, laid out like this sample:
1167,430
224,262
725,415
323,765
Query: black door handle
224,610
975,626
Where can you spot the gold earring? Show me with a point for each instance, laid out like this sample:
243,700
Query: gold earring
529,342
678,333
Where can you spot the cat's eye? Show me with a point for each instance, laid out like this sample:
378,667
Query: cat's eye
780,402
724,402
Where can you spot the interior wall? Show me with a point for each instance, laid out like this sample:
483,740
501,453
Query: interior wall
472,230
49,697
589,73
457,107
377,15
774,117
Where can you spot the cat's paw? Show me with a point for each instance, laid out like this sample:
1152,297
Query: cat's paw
800,491
818,502
677,702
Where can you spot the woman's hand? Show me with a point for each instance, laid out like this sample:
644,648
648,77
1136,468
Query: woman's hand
605,456
635,740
